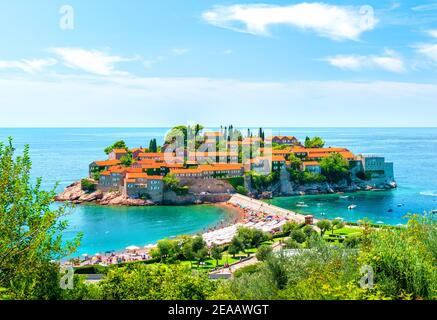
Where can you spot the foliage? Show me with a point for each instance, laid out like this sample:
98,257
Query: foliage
305,177
261,182
264,252
87,185
126,160
236,181
235,246
166,250
289,226
173,184
324,225
242,190
30,231
155,282
117,145
216,253
153,147
335,168
298,235
315,142
402,259
251,237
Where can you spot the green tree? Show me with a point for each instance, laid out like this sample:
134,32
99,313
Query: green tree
117,145
289,226
298,235
166,249
126,160
31,230
335,168
324,225
216,253
264,252
153,147
336,224
235,246
315,142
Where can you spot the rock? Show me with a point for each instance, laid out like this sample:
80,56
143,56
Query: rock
72,193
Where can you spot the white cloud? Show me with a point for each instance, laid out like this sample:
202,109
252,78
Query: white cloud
432,33
389,62
93,61
429,50
425,7
63,103
335,22
27,65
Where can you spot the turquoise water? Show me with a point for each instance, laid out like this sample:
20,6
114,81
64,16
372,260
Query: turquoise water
63,155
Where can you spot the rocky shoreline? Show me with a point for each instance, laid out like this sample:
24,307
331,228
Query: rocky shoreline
74,194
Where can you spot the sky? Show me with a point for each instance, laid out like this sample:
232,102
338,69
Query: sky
77,63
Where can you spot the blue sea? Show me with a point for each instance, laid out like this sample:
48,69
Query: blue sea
62,156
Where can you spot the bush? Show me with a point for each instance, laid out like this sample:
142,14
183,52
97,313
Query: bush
291,244
264,251
298,235
87,186
242,190
236,182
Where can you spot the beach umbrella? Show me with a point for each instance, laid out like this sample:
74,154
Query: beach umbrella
131,248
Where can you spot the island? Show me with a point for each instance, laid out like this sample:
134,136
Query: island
195,166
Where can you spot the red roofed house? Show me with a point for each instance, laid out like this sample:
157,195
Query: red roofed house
143,186
288,140
117,154
98,166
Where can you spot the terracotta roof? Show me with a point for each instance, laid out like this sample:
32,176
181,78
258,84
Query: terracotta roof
310,163
107,163
142,176
105,173
119,151
278,158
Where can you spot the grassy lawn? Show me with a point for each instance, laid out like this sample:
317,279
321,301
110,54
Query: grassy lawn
340,234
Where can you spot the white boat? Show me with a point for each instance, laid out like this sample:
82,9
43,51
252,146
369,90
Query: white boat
434,211
344,197
352,206
301,204
380,222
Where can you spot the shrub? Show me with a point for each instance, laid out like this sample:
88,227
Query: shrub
298,235
87,185
264,252
242,190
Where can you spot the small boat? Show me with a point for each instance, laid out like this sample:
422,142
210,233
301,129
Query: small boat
380,222
301,204
400,205
344,197
339,218
323,214
390,210
434,211
352,206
